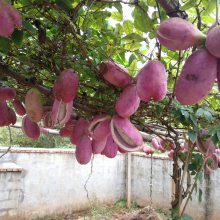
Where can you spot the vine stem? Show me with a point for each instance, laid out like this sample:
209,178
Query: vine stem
194,184
184,174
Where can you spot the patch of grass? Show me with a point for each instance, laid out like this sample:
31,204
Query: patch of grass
164,213
134,205
101,212
121,204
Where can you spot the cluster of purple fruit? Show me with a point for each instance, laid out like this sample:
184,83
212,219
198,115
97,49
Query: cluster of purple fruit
202,67
106,134
9,19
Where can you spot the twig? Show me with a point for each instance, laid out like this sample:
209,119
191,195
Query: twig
190,150
5,70
76,9
177,72
199,23
158,9
194,184
135,2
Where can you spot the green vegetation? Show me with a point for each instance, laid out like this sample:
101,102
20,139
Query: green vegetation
20,140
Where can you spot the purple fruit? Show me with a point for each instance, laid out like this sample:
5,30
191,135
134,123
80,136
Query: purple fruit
111,148
197,77
30,128
4,113
205,146
80,129
212,41
155,144
19,107
115,74
147,149
125,134
11,116
84,150
95,122
102,130
128,102
9,19
7,93
152,82
218,73
179,34
66,86
98,145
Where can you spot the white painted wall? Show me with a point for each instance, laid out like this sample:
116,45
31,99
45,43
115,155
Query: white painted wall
54,183
208,209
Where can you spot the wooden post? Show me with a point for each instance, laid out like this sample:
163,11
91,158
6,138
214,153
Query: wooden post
128,180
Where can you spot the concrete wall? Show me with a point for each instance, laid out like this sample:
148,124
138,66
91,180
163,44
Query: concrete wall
38,182
161,181
207,209
53,182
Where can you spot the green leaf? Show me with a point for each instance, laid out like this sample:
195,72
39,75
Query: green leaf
212,131
218,135
4,45
151,3
192,136
25,2
128,26
118,7
215,139
200,112
189,4
209,7
132,46
131,58
141,19
193,119
185,114
27,25
17,37
117,16
132,69
134,38
208,116
66,5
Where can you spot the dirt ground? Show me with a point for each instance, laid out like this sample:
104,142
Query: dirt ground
111,213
